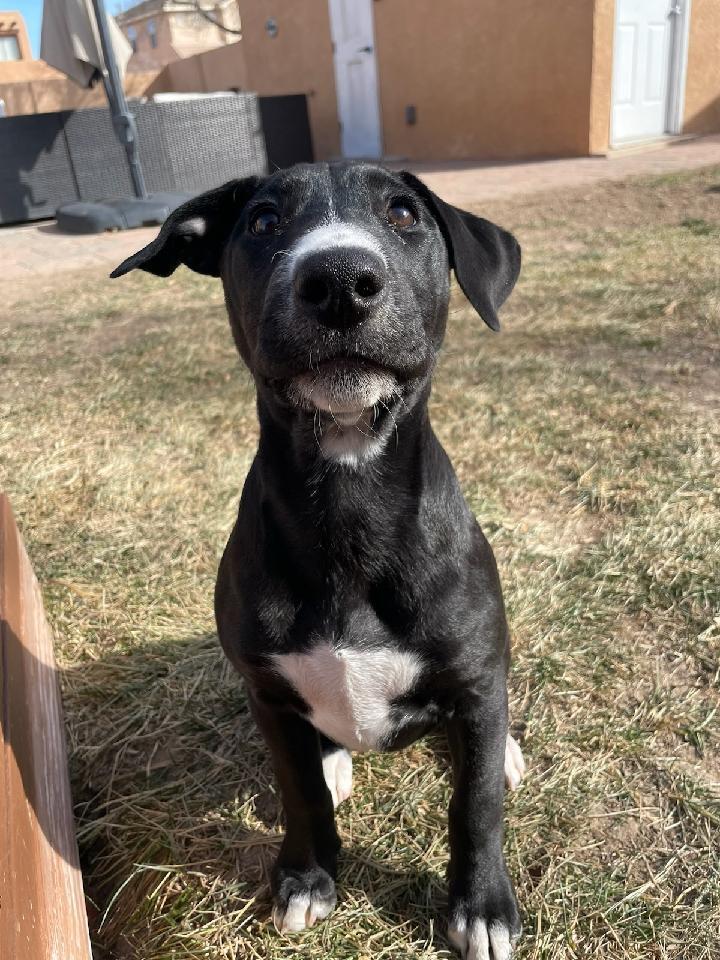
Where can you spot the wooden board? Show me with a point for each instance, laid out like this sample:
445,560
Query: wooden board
42,910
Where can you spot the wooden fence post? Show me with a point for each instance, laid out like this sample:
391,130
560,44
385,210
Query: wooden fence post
42,907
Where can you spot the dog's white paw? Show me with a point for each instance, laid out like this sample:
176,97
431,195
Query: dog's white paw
480,940
337,769
302,911
514,763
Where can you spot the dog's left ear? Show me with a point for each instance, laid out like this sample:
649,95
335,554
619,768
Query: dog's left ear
195,233
485,258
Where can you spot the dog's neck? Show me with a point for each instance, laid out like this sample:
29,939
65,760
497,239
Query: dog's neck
294,467
331,523
337,528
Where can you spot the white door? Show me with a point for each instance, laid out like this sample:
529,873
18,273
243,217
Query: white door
641,68
351,25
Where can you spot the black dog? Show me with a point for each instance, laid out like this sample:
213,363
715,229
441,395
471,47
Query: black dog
357,595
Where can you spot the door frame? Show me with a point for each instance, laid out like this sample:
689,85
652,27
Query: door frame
678,68
677,71
375,83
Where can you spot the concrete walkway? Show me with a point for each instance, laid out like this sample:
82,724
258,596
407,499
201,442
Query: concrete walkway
40,251
465,183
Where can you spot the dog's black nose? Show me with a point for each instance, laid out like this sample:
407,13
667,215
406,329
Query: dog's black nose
340,286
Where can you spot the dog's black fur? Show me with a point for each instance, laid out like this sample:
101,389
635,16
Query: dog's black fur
374,551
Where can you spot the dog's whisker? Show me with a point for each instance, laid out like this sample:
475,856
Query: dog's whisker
387,408
396,393
333,417
392,417
369,436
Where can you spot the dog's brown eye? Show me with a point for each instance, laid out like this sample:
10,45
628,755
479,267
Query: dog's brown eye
400,215
264,222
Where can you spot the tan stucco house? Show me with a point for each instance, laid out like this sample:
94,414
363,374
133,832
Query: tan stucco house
32,86
467,79
162,31
14,43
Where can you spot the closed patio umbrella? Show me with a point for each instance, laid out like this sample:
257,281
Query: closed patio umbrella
79,39
71,41
83,42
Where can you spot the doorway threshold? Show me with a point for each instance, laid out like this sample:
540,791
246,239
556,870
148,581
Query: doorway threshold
630,147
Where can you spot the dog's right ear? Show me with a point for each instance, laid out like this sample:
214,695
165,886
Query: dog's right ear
195,233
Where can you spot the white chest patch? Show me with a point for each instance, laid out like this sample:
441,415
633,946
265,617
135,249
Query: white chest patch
349,691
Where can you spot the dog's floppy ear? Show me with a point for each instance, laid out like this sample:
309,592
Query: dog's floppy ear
485,258
195,233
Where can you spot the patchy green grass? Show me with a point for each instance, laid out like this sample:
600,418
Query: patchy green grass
587,439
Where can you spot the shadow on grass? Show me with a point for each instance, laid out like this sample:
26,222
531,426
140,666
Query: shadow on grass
169,774
30,736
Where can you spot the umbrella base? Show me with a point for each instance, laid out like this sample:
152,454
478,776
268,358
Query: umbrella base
124,214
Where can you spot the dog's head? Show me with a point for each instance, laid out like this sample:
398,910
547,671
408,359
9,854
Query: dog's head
337,283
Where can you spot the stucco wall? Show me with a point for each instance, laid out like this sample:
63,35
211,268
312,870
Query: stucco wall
180,32
298,60
147,57
221,69
34,87
192,33
702,87
489,79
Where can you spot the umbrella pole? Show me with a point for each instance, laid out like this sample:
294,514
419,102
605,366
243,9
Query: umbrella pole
123,120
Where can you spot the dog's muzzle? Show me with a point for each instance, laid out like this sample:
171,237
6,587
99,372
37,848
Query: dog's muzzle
344,389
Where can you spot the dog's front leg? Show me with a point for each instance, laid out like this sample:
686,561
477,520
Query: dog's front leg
303,878
484,917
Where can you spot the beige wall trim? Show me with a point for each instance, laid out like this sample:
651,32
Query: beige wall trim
601,78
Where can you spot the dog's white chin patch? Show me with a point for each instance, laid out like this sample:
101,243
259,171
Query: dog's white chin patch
346,400
352,445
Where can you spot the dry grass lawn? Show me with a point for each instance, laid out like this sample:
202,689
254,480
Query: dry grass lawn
587,439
